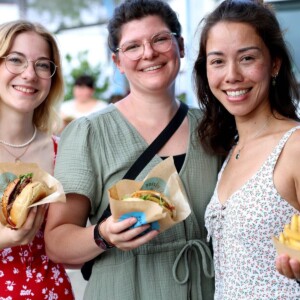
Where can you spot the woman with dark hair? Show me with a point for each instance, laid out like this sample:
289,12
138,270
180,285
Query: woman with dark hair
96,151
248,92
84,102
31,87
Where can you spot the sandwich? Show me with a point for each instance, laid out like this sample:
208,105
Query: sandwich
18,196
155,196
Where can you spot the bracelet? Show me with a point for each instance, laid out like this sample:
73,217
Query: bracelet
99,239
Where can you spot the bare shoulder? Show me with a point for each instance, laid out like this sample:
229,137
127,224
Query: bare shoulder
287,171
291,152
293,144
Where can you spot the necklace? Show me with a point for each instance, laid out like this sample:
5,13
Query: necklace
238,155
22,145
17,158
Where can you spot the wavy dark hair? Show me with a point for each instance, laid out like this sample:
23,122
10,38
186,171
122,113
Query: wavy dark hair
135,10
217,130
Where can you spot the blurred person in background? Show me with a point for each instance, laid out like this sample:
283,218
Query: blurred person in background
96,151
83,103
31,86
246,86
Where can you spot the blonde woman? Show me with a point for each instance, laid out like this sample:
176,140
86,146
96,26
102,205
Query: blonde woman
30,87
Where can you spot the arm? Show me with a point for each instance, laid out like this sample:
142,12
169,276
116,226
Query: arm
69,241
67,238
24,235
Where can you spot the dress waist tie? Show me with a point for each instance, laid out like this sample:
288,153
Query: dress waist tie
198,248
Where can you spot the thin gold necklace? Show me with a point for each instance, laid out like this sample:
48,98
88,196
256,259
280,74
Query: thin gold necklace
16,157
238,155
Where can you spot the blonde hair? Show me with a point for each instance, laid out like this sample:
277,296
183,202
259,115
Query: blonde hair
45,116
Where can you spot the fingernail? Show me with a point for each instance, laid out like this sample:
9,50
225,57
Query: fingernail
133,220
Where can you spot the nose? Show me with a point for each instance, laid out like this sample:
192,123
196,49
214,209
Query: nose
233,73
149,52
29,71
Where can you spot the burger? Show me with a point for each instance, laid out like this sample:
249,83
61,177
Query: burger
18,196
155,196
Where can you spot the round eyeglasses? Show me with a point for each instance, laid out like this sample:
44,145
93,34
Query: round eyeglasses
17,63
160,42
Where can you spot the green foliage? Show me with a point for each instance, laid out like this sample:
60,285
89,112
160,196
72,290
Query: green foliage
63,9
83,67
182,97
68,12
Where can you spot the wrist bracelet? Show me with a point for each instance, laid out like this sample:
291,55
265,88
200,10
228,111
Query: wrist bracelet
99,239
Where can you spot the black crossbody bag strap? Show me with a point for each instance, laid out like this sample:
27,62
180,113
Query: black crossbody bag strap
157,144
140,164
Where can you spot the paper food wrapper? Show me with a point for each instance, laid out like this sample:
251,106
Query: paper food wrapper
10,171
284,249
163,178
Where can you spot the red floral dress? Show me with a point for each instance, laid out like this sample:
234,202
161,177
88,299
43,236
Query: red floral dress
27,273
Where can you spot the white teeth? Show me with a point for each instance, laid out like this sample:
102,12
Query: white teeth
152,68
24,90
236,93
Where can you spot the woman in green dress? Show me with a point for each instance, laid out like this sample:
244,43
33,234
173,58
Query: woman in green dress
96,151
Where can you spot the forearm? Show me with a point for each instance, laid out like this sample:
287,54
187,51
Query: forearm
71,244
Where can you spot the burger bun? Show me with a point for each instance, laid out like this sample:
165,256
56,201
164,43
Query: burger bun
32,193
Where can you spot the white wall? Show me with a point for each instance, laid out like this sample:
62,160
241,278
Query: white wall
8,12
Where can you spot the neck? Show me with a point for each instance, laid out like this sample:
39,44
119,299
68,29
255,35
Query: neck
156,110
248,131
15,127
19,138
254,134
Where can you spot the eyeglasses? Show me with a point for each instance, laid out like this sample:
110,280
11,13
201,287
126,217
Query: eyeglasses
160,42
17,63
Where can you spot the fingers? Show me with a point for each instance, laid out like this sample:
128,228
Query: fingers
32,224
25,234
138,241
288,267
40,215
35,217
123,237
295,266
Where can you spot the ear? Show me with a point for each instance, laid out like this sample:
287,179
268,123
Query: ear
116,60
181,46
276,66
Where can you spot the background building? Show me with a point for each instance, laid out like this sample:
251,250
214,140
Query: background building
83,28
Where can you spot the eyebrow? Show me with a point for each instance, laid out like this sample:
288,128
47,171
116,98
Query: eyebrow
239,51
22,54
139,40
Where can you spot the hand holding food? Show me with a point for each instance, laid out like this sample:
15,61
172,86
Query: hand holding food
18,196
291,233
159,200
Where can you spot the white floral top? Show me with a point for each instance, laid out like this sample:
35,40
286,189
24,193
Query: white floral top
242,230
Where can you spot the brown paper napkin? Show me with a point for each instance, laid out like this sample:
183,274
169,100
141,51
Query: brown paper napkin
284,249
163,178
10,171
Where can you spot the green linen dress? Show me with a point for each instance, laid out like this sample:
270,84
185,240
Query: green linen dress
94,153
